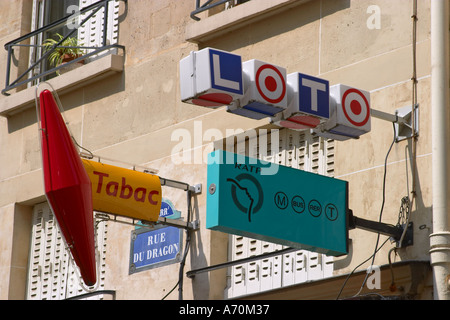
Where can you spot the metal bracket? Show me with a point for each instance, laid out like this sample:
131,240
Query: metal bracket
395,232
404,130
196,189
187,225
403,121
192,225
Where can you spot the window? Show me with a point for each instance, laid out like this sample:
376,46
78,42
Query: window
51,274
234,3
89,34
298,150
214,6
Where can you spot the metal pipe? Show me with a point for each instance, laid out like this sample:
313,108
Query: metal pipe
440,238
395,118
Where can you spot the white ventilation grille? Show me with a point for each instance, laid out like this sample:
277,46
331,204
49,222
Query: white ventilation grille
51,274
91,33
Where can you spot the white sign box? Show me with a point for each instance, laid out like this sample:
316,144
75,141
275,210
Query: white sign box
265,88
308,102
211,78
350,113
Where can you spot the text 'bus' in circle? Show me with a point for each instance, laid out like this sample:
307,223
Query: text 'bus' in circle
298,204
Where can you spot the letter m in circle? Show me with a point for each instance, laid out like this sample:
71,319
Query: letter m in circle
281,200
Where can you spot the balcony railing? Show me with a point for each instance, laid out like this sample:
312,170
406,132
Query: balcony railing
209,4
27,76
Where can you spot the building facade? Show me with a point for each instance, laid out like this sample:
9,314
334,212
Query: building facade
123,106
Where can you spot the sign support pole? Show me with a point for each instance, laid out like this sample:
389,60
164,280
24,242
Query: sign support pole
406,123
386,229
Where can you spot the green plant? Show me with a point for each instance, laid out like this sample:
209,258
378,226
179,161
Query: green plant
61,52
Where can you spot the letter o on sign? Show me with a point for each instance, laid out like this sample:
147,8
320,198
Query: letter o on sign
270,83
356,107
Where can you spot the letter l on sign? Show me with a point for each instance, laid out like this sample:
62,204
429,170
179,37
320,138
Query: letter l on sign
226,71
218,77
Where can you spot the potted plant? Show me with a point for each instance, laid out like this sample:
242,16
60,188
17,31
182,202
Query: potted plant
62,54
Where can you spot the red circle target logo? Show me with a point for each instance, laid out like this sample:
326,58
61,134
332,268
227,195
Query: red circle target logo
270,83
356,107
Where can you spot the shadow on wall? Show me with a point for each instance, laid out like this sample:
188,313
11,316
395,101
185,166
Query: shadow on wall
84,95
285,21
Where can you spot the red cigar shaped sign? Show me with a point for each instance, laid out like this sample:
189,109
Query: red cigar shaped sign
68,187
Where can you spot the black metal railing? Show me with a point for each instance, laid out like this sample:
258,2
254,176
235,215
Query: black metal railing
25,77
209,4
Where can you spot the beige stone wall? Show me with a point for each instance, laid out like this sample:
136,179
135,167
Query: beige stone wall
132,115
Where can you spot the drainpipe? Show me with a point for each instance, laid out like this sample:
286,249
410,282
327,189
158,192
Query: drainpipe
440,238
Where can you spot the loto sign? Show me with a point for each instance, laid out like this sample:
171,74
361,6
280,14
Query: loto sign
124,192
257,90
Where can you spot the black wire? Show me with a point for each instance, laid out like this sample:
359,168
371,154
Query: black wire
348,276
379,220
179,284
382,203
163,298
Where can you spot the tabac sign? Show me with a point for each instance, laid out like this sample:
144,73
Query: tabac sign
124,192
291,207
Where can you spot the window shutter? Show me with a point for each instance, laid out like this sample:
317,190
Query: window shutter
51,274
48,257
299,150
37,21
91,33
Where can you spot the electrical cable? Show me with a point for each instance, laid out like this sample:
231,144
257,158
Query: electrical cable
413,115
186,249
392,287
381,210
353,271
379,220
179,284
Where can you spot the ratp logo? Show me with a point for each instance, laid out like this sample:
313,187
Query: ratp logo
249,199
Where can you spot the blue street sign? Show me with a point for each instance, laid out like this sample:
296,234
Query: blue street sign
168,210
226,71
154,248
314,96
291,207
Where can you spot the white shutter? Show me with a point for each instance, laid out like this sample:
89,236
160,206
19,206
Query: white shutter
48,257
299,150
51,274
90,34
37,21
253,268
271,275
236,285
74,288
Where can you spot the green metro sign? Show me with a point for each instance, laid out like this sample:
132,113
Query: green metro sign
275,203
